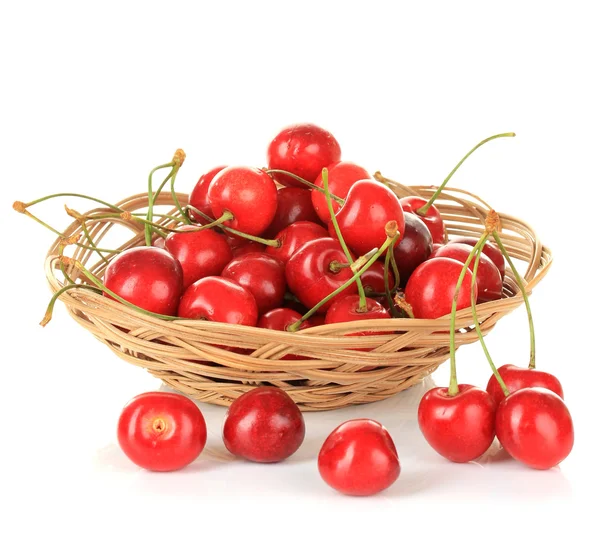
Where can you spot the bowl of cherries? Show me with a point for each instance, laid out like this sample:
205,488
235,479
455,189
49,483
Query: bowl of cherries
306,273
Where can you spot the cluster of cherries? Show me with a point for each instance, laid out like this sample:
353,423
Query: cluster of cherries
313,239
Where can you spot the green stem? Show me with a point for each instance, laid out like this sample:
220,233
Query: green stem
82,196
389,256
476,320
423,210
453,388
525,298
176,200
50,308
305,182
91,241
148,227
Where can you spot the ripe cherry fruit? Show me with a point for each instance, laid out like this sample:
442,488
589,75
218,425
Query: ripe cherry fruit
263,425
199,195
293,204
415,247
432,218
293,237
281,319
359,458
489,249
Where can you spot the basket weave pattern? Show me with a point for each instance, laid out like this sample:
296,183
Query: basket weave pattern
190,355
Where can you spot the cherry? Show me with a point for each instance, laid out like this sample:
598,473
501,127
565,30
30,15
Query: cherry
316,320
293,237
243,198
414,248
201,252
250,247
303,149
374,280
281,319
489,281
311,273
459,427
293,204
219,300
516,378
341,177
368,207
431,288
347,309
262,275
263,425
432,218
148,277
535,427
489,249
199,195
359,458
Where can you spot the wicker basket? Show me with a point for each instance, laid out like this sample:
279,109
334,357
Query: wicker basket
185,354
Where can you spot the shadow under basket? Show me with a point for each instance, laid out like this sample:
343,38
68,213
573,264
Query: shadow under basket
189,355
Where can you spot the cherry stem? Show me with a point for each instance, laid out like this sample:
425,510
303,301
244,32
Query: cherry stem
149,216
266,242
50,308
394,232
404,306
18,206
423,210
477,326
91,241
386,272
176,200
523,290
305,182
453,388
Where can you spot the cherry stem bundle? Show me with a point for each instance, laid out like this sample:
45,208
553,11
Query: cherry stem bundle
305,182
423,210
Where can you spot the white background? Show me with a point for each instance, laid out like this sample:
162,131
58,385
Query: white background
93,95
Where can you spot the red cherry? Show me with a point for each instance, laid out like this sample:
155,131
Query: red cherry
293,204
359,458
201,252
316,320
262,275
304,150
368,207
414,248
249,247
219,300
535,427
489,249
249,194
435,249
148,277
263,425
199,195
431,288
281,319
293,237
432,218
460,427
310,276
373,279
341,177
516,378
346,309
489,282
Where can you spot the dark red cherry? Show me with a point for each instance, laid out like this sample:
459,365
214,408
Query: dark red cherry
341,177
303,149
199,195
293,204
491,250
414,248
201,252
433,218
293,237
148,277
373,279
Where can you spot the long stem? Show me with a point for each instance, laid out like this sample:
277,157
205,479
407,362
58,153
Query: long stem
389,256
176,200
423,210
525,298
478,328
362,301
50,308
305,182
148,228
82,196
91,241
453,388
367,265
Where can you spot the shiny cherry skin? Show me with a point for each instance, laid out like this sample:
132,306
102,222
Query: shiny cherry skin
489,281
535,427
340,178
491,250
368,207
430,288
414,248
161,431
433,218
201,252
460,427
247,193
263,425
293,237
303,149
373,279
293,204
249,247
148,277
199,195
218,299
346,309
517,378
359,458
309,274
262,275
281,319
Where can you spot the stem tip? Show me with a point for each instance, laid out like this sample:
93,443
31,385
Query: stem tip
20,207
179,157
492,222
391,228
